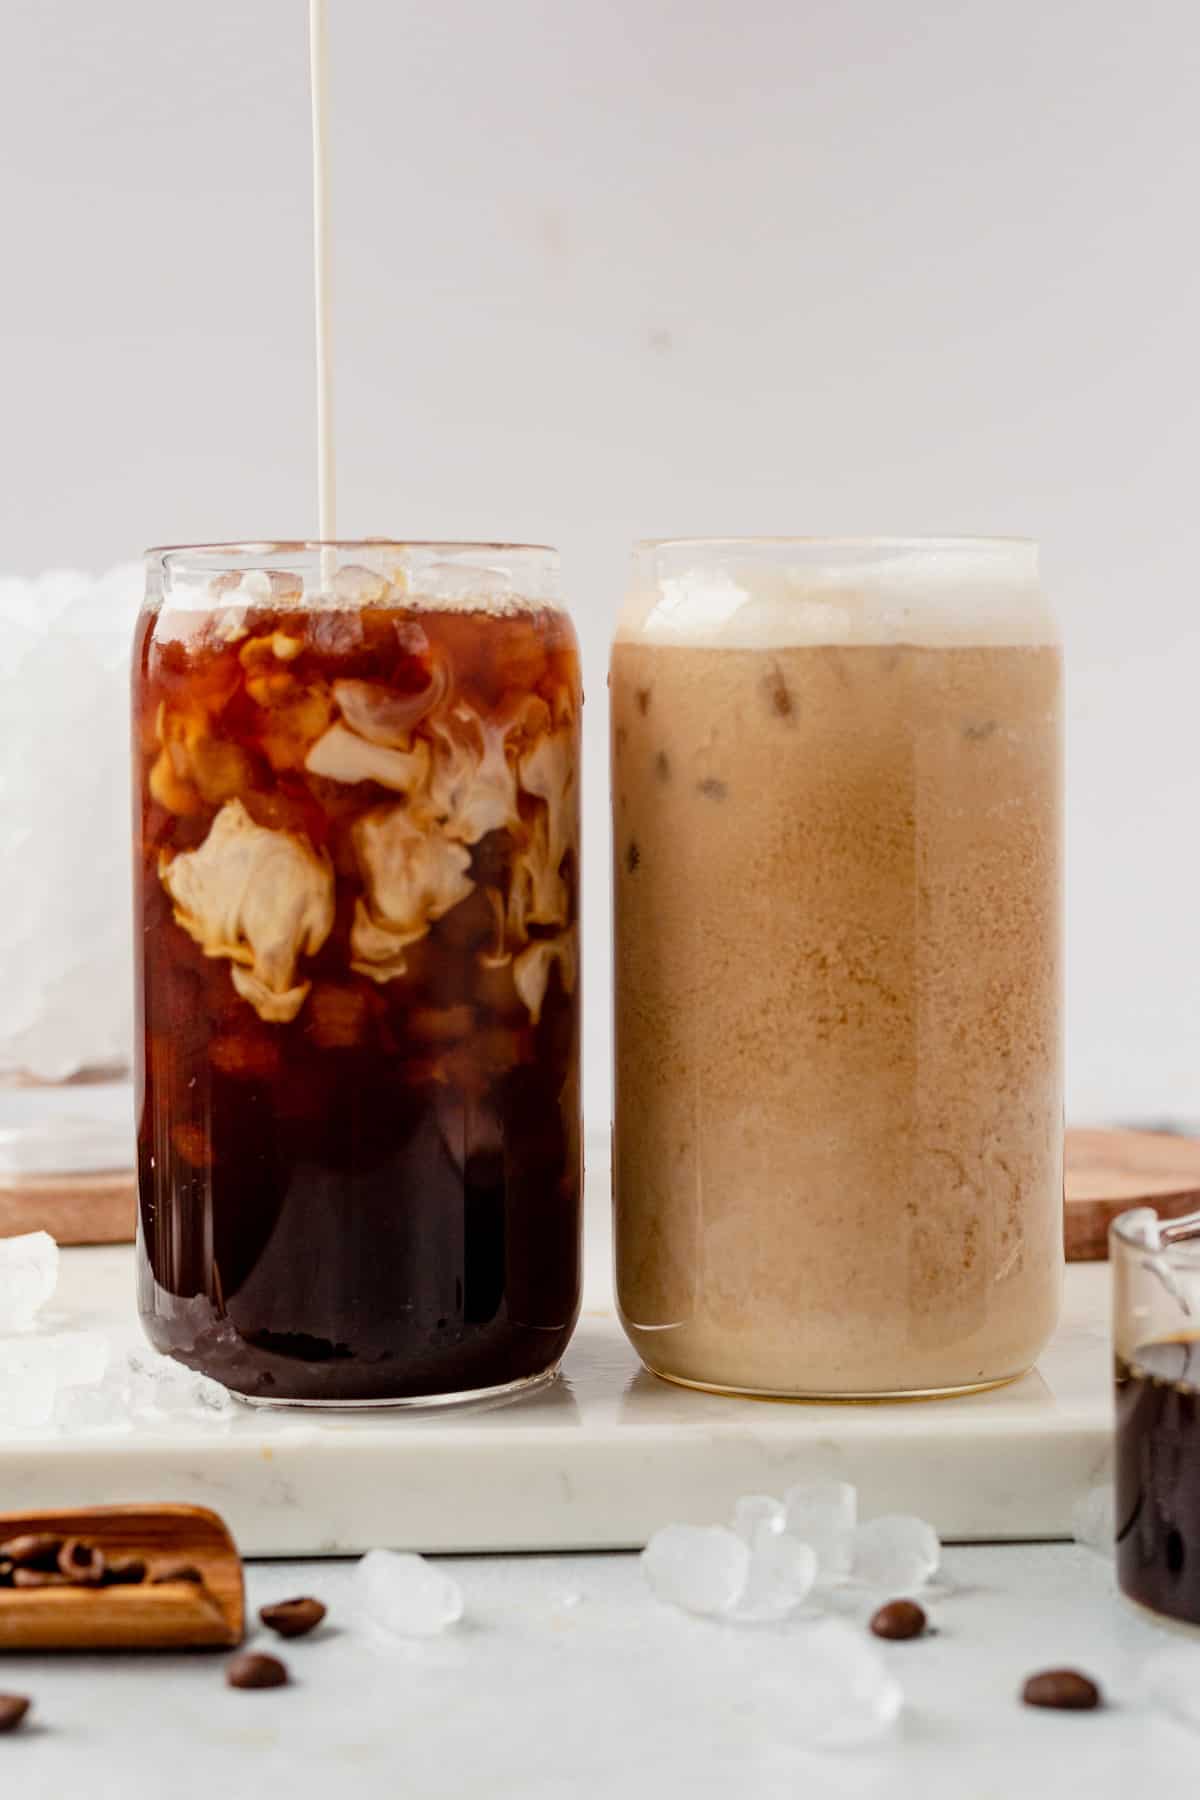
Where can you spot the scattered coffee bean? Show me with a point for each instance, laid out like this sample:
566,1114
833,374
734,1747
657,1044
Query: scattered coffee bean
13,1708
292,1618
39,1578
124,1571
899,1619
254,1670
1065,1689
35,1550
81,1562
6,1572
176,1572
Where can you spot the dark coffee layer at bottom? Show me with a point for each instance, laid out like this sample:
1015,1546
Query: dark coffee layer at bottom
1158,1477
319,1373
387,1244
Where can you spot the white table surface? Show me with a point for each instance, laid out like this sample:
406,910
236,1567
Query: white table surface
536,1697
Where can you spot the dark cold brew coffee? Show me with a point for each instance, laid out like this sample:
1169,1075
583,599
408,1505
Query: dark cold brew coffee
1158,1477
359,1145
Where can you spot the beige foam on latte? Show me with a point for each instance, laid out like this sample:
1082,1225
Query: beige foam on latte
745,594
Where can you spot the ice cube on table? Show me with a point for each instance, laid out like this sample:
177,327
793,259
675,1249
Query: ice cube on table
755,1510
399,1594
28,1278
1170,1683
896,1552
829,1688
701,1568
1094,1520
781,1577
825,1515
28,1381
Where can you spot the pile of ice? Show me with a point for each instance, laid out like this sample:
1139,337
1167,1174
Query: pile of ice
64,1380
781,1557
65,931
778,1554
28,1278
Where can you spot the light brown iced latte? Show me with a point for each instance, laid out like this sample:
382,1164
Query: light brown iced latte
838,970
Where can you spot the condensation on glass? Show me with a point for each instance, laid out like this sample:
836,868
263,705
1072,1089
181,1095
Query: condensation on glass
357,873
837,844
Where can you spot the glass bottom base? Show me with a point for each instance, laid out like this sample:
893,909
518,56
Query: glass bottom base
866,1398
486,1396
1165,1621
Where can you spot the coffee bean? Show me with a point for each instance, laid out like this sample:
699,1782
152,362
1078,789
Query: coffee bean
124,1571
899,1619
254,1670
6,1572
81,1562
35,1550
1065,1689
176,1572
292,1618
39,1578
13,1708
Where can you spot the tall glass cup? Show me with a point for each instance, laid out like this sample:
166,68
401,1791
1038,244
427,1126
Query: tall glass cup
356,806
837,793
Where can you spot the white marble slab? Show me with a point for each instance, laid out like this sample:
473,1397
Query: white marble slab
598,1461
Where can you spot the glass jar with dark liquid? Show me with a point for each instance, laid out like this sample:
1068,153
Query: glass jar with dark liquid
356,806
1156,1338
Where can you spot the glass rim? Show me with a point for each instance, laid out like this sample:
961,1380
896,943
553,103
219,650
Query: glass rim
1142,1228
258,547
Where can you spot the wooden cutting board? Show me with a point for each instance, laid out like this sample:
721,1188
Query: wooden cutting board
1108,1172
74,1209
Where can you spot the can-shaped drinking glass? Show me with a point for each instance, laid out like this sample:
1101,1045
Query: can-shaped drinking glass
837,794
357,878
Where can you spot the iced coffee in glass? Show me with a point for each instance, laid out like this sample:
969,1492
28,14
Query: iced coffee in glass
357,881
837,805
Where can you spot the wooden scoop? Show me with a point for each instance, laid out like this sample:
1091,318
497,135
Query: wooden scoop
147,1615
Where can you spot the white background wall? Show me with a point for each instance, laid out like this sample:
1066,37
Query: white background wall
608,270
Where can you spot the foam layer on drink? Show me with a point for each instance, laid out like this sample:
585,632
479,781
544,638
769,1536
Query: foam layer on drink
754,595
